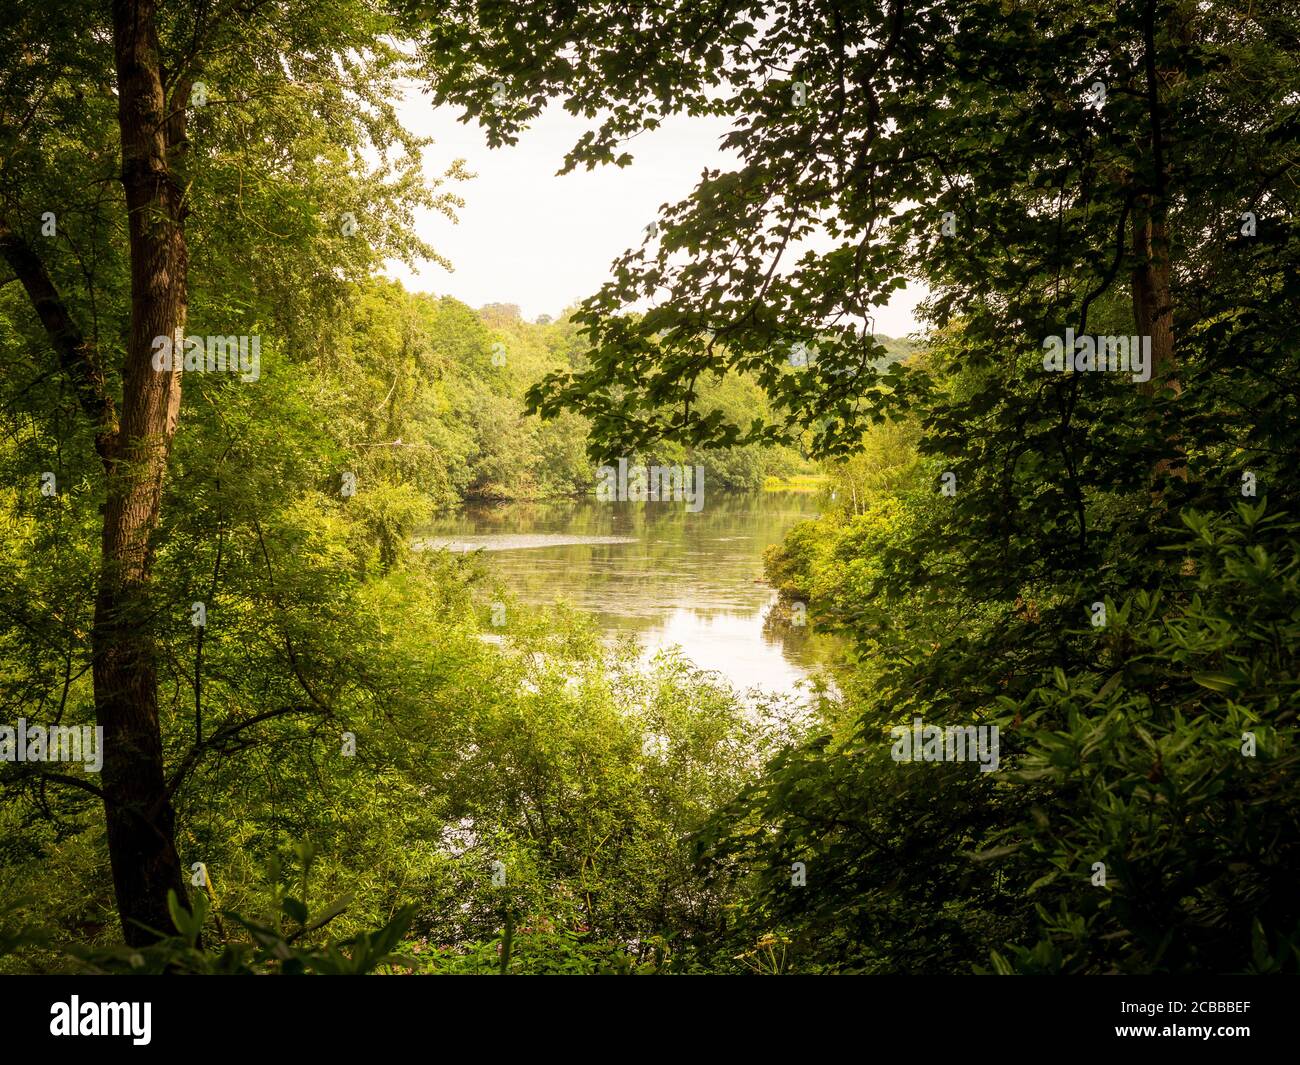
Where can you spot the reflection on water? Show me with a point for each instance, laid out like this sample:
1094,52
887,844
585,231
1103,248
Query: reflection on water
506,542
653,569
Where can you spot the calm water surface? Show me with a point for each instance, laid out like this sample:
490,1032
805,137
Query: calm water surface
653,569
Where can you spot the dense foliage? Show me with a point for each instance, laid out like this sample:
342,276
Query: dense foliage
1101,565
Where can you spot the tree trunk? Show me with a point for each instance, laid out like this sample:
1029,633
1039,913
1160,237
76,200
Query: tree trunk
1153,301
138,809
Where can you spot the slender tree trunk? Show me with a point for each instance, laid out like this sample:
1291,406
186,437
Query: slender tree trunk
1153,300
137,806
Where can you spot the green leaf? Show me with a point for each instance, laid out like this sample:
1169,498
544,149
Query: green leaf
1218,682
294,909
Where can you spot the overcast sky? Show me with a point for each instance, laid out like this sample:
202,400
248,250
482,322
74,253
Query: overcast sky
528,237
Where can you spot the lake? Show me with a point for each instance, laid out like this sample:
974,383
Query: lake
653,569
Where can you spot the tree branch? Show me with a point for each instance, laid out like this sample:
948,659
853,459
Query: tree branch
55,778
77,355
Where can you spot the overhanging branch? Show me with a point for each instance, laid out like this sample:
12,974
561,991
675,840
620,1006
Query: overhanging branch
77,355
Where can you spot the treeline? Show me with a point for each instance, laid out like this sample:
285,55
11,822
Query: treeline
433,394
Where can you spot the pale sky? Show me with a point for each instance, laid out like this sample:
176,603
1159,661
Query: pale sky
528,237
